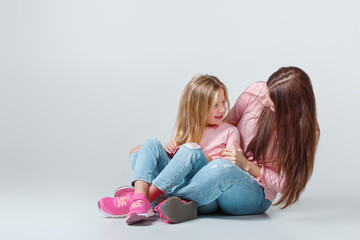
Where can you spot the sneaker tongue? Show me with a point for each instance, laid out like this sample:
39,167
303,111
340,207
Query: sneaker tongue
137,203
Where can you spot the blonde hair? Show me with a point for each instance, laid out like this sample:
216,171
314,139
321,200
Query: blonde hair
195,104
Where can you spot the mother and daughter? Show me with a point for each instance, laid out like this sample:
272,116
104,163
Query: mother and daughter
235,161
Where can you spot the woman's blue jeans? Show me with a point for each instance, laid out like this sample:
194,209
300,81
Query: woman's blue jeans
188,175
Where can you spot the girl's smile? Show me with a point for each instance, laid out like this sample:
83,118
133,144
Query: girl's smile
219,117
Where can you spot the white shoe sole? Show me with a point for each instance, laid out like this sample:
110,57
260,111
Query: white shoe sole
134,217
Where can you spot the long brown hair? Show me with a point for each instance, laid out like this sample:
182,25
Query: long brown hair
293,127
195,104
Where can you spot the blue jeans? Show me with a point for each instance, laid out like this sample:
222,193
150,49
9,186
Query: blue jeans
214,185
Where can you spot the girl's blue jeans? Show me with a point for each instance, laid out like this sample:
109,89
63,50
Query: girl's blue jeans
188,175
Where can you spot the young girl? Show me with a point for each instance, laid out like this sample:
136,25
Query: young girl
200,119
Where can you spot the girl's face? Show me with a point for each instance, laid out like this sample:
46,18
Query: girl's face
218,110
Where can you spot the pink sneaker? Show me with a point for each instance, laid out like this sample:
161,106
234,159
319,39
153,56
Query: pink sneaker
123,190
116,207
175,210
140,209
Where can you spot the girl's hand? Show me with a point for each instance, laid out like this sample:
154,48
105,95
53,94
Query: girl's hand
237,157
171,148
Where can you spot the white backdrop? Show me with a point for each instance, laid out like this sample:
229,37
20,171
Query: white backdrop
82,82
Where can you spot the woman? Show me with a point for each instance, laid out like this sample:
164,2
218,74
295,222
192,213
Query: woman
279,134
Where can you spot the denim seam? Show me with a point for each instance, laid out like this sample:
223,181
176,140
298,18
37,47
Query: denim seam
142,179
254,189
164,189
159,186
178,173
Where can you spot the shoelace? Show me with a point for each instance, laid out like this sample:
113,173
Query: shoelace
162,217
121,201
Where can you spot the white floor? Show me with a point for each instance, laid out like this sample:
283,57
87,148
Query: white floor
63,213
82,82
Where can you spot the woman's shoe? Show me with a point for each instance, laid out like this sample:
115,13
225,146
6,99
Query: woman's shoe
175,210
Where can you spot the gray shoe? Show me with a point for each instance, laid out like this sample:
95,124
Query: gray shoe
175,210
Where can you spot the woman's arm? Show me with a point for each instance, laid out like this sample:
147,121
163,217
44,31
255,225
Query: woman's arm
237,157
264,175
271,179
237,110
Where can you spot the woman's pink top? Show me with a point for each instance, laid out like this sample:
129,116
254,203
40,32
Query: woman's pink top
216,138
244,114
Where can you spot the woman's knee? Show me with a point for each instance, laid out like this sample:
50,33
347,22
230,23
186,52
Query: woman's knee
135,149
150,144
153,144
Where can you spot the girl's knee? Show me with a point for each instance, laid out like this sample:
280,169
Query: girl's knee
190,149
191,145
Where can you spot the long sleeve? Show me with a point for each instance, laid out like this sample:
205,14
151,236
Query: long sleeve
253,93
238,109
271,180
233,135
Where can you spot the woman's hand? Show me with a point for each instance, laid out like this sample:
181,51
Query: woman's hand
237,157
171,148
